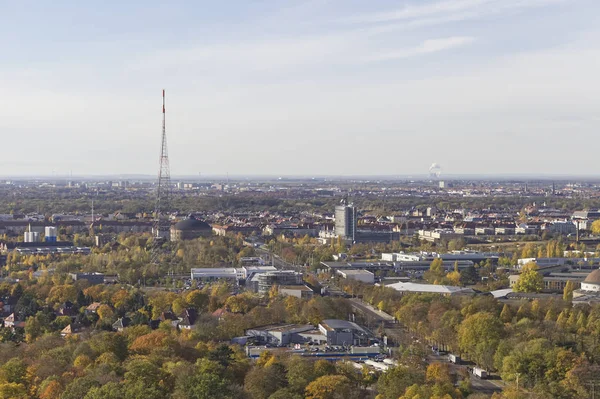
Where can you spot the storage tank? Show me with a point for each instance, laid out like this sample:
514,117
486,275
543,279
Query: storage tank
31,236
50,234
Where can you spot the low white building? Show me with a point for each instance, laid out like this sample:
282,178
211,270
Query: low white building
430,289
400,257
591,282
298,291
360,275
285,334
543,262
438,234
239,273
214,273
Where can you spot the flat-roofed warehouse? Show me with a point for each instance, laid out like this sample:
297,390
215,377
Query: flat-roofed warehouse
285,334
410,288
360,275
346,333
371,266
215,273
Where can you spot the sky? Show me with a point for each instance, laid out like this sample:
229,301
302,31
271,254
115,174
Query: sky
312,87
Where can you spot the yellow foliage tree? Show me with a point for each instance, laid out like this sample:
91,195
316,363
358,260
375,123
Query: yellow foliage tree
62,293
530,279
120,298
438,373
105,312
82,361
146,343
596,227
454,278
329,387
570,287
266,357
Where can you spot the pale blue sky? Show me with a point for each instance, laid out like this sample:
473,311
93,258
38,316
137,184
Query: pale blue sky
330,87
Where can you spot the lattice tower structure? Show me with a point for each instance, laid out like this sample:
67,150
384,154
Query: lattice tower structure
163,186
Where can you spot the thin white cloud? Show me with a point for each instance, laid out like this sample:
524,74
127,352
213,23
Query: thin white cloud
427,47
449,10
251,55
413,11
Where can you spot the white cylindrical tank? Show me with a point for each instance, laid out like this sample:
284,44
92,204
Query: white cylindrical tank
50,231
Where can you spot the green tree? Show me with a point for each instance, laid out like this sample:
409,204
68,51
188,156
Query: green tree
469,276
479,335
300,373
12,390
393,383
14,371
111,390
436,271
262,382
203,386
286,393
79,388
506,314
140,390
197,299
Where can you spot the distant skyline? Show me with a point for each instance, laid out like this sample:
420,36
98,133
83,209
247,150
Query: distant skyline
309,88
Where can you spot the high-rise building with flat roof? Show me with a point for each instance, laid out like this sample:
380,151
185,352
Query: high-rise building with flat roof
345,221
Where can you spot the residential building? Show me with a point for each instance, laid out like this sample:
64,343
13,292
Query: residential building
121,324
345,221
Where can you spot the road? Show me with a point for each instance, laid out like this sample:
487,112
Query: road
488,386
370,311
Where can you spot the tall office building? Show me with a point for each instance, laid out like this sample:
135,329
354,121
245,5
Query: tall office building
345,221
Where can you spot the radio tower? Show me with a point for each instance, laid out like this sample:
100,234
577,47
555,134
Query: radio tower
163,188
